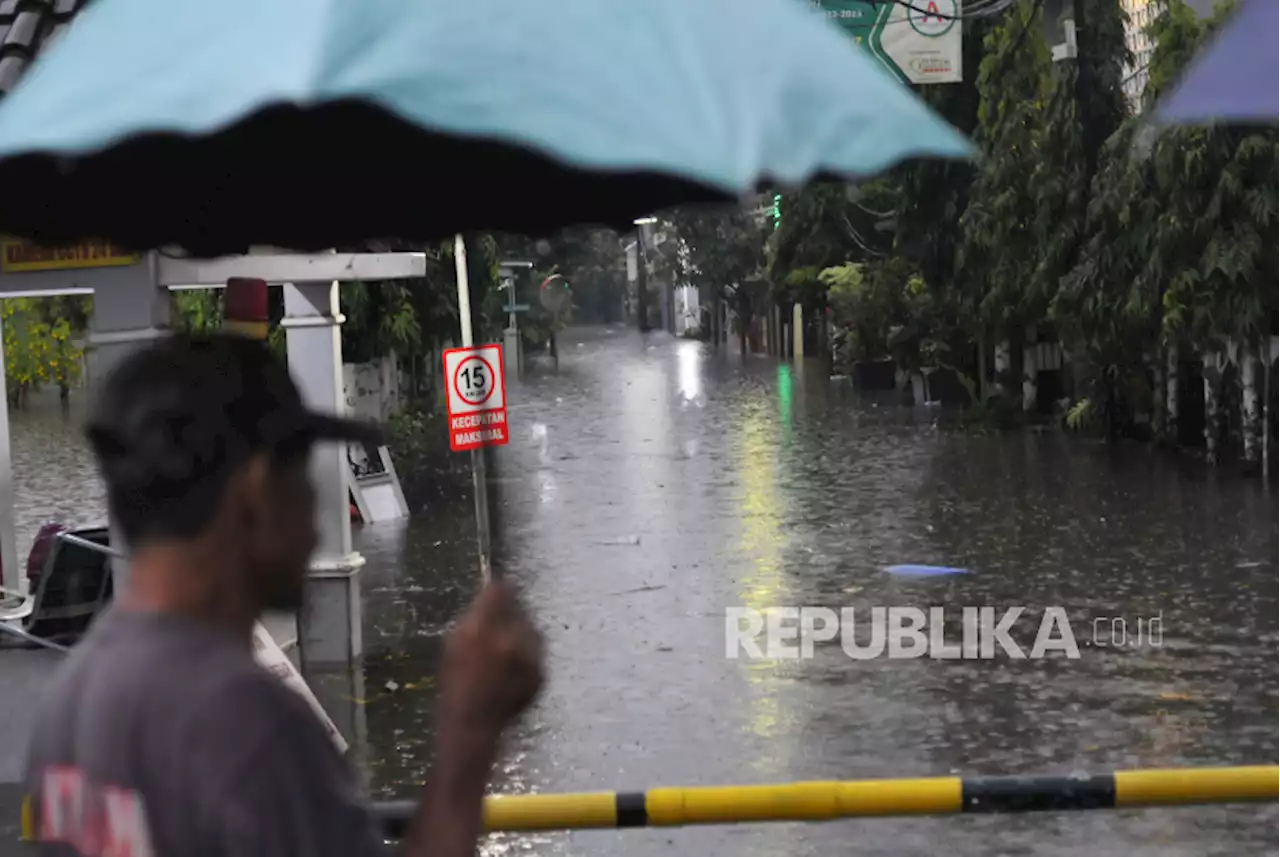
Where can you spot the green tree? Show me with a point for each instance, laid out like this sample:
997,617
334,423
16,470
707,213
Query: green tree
933,194
39,348
414,316
826,225
197,310
591,259
1179,245
999,251
721,250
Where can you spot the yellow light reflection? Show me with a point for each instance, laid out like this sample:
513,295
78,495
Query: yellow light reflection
761,544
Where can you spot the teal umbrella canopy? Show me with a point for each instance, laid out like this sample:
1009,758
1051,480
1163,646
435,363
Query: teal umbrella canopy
314,123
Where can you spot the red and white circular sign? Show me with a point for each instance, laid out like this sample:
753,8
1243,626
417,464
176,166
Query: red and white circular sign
474,380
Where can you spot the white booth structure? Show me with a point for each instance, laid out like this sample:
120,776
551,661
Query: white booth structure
132,306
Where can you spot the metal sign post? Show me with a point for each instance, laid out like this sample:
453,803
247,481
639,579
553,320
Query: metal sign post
477,402
508,271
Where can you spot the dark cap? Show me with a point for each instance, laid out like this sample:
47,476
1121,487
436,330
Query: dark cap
186,406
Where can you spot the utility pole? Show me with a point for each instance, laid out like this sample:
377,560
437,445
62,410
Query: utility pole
642,275
479,457
641,285
1084,78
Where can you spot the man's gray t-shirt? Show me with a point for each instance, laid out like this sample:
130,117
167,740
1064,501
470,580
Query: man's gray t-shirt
163,737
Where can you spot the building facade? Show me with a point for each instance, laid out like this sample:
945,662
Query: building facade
1140,15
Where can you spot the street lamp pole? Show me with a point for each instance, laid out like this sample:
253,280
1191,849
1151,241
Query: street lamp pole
642,274
1084,80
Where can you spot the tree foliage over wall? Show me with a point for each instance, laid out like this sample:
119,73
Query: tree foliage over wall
1078,222
592,260
40,344
721,251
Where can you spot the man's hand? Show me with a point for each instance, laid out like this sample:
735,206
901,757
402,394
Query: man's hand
492,670
492,665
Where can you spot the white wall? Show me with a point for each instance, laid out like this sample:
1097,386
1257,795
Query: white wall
372,390
687,309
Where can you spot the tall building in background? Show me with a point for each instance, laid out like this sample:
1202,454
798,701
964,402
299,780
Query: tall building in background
1141,13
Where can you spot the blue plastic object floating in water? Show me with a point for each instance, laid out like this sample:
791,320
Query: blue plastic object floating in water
923,570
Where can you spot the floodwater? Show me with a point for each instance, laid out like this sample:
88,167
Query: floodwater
651,485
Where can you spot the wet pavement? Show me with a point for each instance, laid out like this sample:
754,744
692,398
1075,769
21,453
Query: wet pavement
652,484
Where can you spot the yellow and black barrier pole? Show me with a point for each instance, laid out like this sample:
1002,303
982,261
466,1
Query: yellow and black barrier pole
825,801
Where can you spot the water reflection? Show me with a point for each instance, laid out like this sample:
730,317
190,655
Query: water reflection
764,584
633,522
785,393
689,378
55,478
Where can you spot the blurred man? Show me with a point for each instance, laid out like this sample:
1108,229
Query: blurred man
161,735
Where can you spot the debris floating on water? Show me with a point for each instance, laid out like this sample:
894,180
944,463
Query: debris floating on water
923,570
645,588
621,541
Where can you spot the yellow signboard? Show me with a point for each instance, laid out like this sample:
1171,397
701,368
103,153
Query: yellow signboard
22,256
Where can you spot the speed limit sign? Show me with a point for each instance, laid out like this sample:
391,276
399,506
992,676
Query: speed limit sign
477,397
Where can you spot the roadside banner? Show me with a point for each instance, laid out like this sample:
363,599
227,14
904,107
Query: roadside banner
17,256
918,41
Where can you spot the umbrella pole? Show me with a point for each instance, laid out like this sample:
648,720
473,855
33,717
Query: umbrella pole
479,463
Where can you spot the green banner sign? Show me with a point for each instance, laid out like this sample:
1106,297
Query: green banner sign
919,41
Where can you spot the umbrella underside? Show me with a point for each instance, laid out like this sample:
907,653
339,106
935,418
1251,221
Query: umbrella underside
314,178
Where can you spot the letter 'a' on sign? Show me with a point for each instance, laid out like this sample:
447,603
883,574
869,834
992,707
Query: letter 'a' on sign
477,397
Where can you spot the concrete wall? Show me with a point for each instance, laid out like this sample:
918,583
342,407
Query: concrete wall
372,390
687,309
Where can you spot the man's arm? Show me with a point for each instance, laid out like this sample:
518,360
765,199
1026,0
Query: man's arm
293,795
492,670
449,820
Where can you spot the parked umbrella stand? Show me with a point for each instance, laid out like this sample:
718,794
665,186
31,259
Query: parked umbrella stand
825,801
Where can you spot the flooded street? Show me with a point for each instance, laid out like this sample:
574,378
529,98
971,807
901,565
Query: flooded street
651,485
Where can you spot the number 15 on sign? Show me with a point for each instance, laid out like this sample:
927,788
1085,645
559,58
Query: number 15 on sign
477,397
